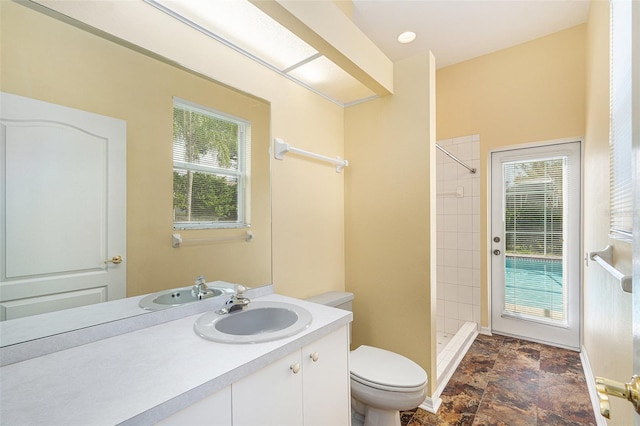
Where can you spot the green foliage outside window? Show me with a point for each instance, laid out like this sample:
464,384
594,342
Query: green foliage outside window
207,175
212,198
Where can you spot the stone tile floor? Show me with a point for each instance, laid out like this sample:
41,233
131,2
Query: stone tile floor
512,382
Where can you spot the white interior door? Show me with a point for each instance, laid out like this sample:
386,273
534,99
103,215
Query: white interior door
62,207
535,234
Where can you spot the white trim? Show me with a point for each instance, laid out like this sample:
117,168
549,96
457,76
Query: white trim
431,405
591,386
535,145
486,331
523,147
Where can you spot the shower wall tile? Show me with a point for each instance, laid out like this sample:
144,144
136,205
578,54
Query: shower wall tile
475,187
465,239
458,234
465,312
451,325
450,240
451,293
465,294
450,275
450,223
476,259
450,257
465,258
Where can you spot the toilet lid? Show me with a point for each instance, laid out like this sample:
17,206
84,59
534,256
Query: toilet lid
382,369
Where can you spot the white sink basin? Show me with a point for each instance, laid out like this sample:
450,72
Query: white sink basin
259,322
175,297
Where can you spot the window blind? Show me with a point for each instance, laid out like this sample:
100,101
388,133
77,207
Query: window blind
211,158
534,207
534,194
621,183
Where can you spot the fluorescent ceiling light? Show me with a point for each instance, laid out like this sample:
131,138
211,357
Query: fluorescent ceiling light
244,25
247,29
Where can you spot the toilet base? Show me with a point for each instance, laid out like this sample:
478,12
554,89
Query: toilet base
363,415
377,417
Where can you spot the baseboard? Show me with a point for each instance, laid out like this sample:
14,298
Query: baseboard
431,404
591,386
486,331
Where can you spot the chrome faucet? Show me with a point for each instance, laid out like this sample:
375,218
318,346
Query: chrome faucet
200,289
237,302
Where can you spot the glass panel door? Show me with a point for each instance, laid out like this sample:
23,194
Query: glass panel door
535,228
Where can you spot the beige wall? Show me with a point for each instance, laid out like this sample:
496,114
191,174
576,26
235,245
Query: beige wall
307,196
607,334
532,92
390,192
45,59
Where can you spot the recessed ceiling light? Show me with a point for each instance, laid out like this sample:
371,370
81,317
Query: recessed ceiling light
406,37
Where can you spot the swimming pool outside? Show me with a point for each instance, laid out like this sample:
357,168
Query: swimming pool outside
534,287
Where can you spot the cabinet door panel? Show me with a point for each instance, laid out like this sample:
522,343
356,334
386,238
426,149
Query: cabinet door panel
326,380
269,397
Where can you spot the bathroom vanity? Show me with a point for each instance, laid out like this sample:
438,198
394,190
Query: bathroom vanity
167,374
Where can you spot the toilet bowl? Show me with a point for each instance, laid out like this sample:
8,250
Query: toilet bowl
383,383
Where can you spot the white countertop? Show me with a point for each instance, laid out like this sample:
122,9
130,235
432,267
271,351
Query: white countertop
142,376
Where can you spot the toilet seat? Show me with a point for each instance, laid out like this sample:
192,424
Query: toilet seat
385,370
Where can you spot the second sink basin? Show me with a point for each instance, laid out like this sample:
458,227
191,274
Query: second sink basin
259,322
175,297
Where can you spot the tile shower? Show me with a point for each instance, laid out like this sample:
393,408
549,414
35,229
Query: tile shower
458,250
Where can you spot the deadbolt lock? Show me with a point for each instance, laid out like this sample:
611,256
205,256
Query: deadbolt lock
629,391
496,239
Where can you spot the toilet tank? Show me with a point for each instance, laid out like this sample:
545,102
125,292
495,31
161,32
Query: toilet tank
336,299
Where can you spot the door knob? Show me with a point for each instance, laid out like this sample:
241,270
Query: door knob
629,391
116,260
496,252
314,356
295,368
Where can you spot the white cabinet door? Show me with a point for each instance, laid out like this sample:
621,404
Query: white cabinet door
62,207
309,387
326,385
271,396
214,410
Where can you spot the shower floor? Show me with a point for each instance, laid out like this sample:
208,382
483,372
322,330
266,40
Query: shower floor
443,340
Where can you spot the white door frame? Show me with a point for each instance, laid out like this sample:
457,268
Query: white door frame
489,243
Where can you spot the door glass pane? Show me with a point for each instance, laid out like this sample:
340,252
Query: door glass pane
534,193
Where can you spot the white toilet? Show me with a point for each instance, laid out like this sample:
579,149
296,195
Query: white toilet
383,383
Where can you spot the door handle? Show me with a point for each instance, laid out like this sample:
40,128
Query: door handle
496,252
629,391
116,260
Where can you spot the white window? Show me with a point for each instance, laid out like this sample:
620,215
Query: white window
210,168
621,179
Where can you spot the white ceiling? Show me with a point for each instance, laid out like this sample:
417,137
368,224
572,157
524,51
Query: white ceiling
458,30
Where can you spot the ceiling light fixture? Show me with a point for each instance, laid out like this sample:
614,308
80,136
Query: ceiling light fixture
406,37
